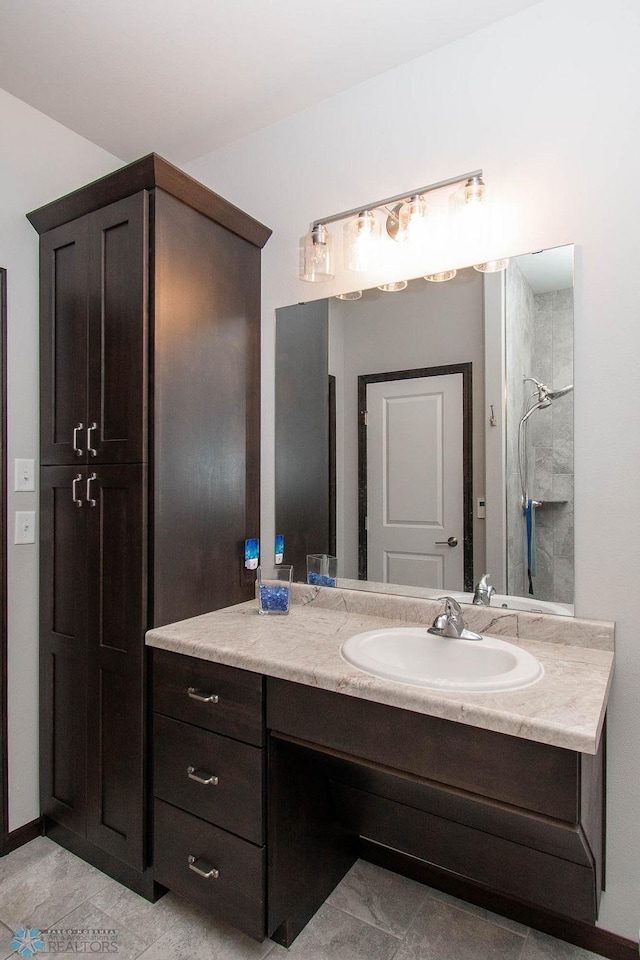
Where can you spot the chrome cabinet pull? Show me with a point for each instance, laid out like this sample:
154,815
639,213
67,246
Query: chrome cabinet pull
91,450
76,499
195,694
78,450
451,542
91,502
208,873
207,780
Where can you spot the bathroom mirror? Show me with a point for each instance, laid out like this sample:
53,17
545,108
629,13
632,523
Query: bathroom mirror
425,436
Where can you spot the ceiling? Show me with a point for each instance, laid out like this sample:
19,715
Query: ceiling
185,78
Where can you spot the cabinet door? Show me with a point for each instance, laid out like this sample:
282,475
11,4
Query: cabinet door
63,647
117,339
63,343
117,605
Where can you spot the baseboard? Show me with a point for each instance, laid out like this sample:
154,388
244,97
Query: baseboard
577,932
16,838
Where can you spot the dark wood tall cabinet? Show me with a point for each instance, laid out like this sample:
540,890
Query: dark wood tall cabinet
150,333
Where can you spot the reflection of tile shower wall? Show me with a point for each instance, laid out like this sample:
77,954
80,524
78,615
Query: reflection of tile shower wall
551,441
520,314
540,344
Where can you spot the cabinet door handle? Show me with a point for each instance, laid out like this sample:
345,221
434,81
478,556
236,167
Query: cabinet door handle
91,502
76,499
91,450
209,873
207,780
78,450
195,694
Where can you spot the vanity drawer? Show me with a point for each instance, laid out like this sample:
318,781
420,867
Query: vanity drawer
224,699
183,752
236,894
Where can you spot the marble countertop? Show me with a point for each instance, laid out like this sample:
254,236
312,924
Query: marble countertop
565,708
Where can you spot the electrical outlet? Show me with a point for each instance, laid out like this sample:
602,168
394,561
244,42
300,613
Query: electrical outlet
25,476
25,526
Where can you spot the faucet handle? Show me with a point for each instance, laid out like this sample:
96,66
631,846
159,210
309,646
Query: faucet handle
454,621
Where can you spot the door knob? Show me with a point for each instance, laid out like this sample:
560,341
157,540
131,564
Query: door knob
451,542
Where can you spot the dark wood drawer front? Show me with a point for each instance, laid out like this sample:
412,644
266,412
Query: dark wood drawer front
520,772
231,795
210,695
236,894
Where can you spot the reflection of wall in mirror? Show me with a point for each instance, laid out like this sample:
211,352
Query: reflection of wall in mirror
539,343
423,326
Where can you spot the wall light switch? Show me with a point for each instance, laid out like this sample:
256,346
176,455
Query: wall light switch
25,475
25,526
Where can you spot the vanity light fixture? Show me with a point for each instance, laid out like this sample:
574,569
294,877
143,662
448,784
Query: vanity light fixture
412,219
473,190
353,295
393,287
492,266
441,277
405,213
317,255
360,242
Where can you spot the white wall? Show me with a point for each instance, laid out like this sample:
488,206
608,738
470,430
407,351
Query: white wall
546,103
39,161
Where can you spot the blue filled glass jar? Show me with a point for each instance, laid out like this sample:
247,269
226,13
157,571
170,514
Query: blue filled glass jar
273,589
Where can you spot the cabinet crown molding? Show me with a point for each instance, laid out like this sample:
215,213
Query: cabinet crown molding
149,173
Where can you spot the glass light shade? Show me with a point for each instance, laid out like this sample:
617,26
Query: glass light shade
354,295
361,242
393,287
491,266
442,276
412,219
472,191
316,250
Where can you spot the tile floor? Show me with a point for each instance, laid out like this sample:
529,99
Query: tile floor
371,915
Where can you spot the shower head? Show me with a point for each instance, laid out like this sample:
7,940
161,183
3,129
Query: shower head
545,395
560,392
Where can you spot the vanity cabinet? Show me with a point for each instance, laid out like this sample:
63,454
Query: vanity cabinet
515,817
307,780
150,367
208,784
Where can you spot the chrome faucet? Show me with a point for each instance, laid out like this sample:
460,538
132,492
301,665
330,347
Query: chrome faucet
483,591
451,622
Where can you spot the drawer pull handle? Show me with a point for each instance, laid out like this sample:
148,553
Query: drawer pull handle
210,874
195,694
208,780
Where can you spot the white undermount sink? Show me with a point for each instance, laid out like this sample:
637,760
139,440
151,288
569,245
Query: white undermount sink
415,656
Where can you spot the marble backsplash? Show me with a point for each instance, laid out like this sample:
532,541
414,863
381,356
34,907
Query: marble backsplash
569,631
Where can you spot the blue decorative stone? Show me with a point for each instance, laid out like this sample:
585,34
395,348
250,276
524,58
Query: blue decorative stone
274,599
318,580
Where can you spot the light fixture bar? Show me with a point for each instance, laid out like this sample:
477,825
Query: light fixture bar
400,196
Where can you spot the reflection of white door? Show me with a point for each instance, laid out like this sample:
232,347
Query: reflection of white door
415,481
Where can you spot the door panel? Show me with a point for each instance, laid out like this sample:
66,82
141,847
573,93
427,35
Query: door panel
415,481
63,655
116,623
117,343
63,342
